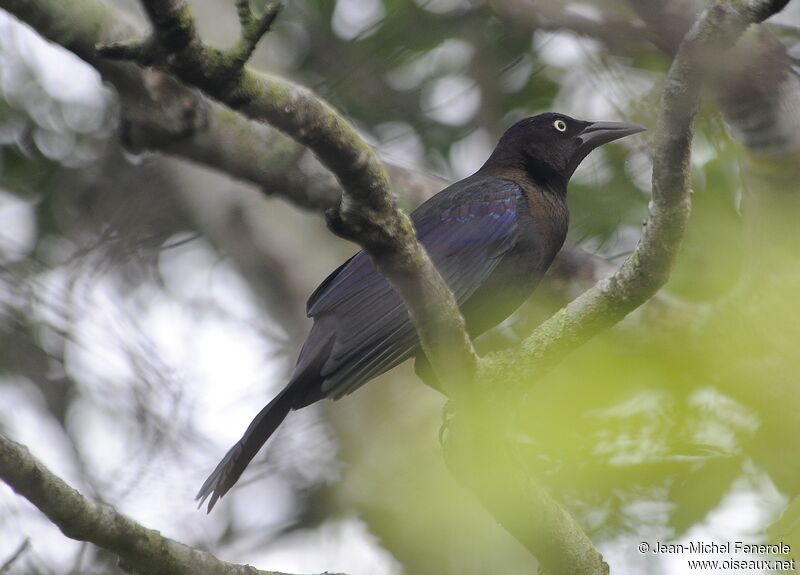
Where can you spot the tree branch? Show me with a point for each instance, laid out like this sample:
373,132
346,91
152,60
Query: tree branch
140,550
649,266
161,114
253,28
367,214
512,496
482,459
15,556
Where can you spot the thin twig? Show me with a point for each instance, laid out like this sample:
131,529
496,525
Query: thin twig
252,28
15,556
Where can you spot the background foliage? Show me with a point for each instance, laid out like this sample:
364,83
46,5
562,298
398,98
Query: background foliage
149,307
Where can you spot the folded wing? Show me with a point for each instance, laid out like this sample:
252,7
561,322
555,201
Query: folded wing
466,230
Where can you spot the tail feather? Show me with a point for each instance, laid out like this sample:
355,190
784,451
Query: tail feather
229,470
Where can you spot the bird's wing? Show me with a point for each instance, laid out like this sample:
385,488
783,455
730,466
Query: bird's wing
465,230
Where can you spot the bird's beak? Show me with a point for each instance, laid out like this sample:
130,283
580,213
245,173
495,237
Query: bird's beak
599,133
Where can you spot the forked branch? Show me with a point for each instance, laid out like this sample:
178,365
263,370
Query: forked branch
368,213
649,266
515,499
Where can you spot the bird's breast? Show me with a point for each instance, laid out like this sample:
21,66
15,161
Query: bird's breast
542,230
545,223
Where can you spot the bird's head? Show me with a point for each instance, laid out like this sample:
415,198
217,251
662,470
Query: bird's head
549,147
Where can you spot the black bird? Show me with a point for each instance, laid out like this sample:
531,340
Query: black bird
491,236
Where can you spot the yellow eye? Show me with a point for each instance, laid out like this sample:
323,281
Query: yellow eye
560,125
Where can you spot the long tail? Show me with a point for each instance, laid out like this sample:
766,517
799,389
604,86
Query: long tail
229,470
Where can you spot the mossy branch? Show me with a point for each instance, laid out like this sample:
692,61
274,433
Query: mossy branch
523,507
650,264
140,550
253,28
367,214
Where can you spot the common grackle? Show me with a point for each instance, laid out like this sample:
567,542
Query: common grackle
491,236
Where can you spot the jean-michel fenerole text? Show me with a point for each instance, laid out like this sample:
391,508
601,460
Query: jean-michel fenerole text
727,547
